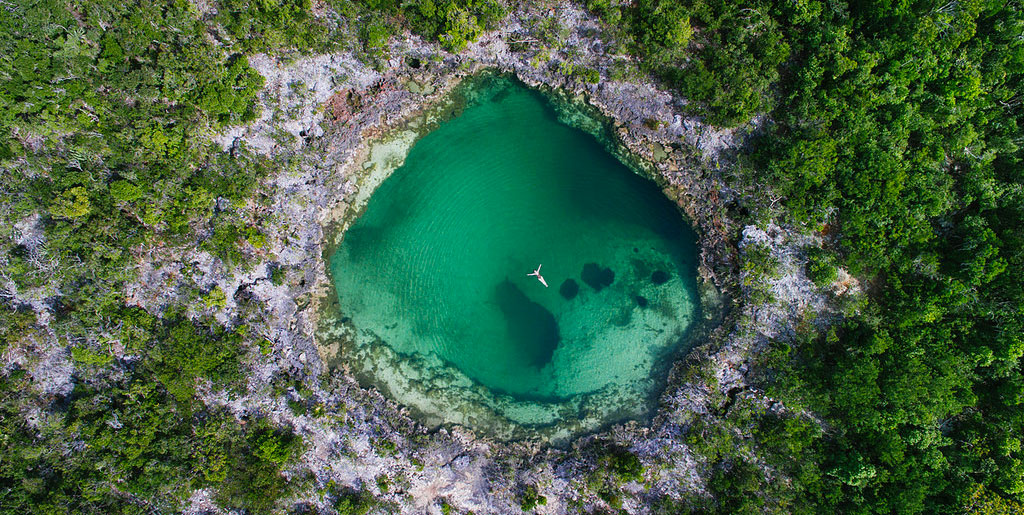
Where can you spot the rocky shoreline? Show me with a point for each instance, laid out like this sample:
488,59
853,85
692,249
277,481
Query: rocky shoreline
325,113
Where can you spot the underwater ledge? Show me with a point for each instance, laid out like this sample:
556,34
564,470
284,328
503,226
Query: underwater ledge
461,400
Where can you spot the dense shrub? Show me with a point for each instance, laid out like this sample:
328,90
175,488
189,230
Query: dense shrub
896,129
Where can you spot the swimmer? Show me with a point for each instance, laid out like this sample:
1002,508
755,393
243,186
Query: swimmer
536,273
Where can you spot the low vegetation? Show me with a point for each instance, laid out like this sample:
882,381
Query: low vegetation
104,111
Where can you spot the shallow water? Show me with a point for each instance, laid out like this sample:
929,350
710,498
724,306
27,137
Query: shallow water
436,268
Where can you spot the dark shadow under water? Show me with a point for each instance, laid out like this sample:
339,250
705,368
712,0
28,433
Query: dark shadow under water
532,327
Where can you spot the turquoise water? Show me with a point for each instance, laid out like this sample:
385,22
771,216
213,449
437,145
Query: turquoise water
435,270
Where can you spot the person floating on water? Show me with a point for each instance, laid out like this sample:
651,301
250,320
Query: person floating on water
536,273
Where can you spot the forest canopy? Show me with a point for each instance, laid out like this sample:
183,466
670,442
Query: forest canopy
894,130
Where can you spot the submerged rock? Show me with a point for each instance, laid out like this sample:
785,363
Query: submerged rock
569,289
641,301
659,277
597,277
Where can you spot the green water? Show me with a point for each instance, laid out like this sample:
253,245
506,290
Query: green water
436,268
